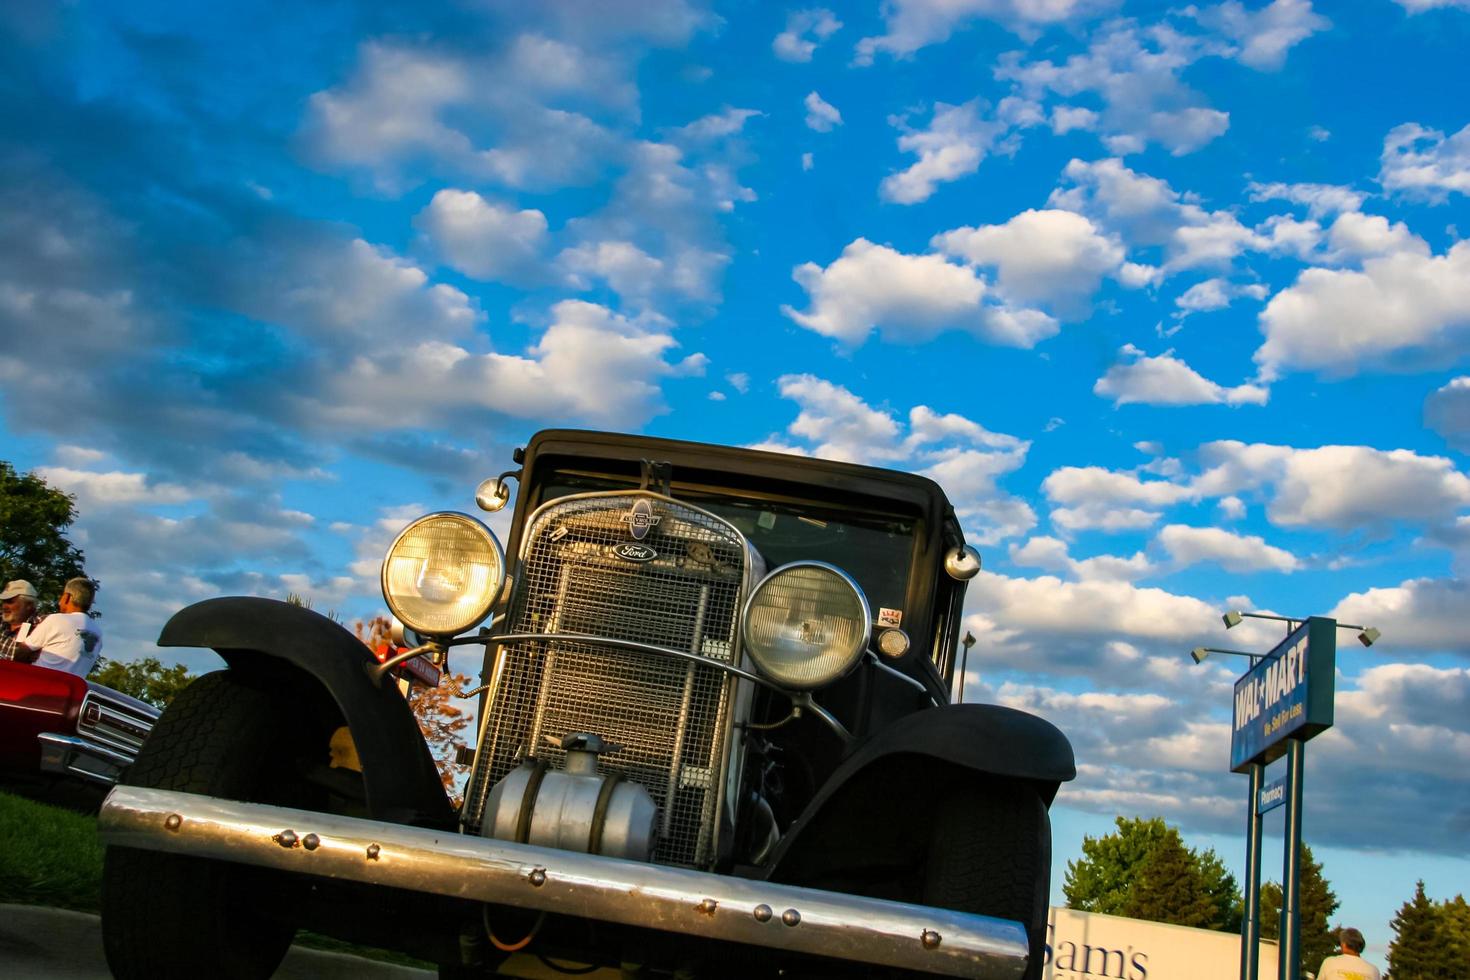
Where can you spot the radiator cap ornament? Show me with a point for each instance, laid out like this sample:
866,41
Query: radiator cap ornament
640,519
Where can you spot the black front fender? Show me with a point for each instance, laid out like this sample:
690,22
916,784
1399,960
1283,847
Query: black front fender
263,635
877,805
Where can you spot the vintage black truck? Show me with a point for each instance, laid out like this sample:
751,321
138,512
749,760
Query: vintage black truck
715,740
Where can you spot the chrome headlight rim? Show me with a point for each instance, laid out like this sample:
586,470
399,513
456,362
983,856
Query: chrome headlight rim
861,636
491,596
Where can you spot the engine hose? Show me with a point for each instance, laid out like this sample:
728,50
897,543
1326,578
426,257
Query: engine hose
505,947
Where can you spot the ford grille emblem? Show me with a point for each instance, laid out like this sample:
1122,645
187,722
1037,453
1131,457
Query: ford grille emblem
640,519
635,552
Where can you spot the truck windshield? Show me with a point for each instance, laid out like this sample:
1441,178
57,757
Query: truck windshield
876,549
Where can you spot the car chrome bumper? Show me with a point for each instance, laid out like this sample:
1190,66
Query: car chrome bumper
69,755
802,920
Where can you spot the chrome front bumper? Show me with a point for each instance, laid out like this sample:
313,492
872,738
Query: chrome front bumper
801,920
69,755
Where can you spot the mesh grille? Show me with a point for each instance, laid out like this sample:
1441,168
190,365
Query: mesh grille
669,715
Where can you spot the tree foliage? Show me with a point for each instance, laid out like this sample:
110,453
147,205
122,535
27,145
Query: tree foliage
1144,871
442,722
1318,902
34,517
1431,939
147,679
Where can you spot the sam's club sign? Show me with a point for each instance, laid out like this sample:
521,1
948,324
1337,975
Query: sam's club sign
1287,695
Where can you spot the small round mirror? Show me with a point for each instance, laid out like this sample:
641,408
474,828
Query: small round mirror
962,563
492,494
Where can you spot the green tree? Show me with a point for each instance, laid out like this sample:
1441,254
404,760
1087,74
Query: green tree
1456,934
1143,870
1318,902
33,521
147,679
1417,951
1169,886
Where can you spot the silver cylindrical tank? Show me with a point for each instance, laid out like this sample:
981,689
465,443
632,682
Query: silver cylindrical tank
575,808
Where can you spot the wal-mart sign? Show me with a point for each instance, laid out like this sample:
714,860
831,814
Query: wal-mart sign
1287,695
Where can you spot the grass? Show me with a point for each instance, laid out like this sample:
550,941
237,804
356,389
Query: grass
48,856
51,856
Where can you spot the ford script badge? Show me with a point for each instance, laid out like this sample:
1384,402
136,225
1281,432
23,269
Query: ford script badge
640,519
635,552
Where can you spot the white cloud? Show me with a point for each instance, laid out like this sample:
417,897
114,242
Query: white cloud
628,270
1216,294
914,24
740,381
1425,614
1339,487
113,489
806,161
1265,36
1447,411
483,239
1234,552
957,140
1402,308
1146,211
820,115
353,296
1321,199
959,454
1166,380
910,297
1065,118
589,364
716,126
1052,258
1051,554
1419,6
1135,71
1421,162
818,24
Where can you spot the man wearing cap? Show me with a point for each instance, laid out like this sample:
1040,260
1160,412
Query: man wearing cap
68,640
1349,964
17,609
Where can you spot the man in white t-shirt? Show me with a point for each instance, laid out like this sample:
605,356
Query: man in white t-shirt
1350,965
68,640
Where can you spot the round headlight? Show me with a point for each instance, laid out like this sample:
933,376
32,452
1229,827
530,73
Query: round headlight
806,624
443,573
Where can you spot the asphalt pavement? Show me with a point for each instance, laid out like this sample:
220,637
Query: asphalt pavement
54,944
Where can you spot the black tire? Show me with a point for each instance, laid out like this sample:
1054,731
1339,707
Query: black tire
165,915
990,853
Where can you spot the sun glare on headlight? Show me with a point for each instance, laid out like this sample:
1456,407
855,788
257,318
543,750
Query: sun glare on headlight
443,573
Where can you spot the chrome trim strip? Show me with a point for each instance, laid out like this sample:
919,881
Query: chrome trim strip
802,920
501,639
70,748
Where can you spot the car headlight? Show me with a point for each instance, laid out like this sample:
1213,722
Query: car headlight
443,573
806,624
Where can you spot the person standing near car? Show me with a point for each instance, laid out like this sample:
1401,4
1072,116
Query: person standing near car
17,609
68,640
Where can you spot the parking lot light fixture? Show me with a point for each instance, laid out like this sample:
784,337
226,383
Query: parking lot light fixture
1200,653
1231,618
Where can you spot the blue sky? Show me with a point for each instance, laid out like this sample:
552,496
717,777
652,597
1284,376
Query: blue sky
1172,299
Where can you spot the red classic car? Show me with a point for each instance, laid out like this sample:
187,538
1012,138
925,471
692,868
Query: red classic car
56,726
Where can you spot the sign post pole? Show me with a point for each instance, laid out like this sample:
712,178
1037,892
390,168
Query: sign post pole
1291,871
1250,925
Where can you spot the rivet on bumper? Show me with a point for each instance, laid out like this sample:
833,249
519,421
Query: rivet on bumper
763,913
791,917
173,822
286,838
373,850
707,907
930,939
311,842
537,877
